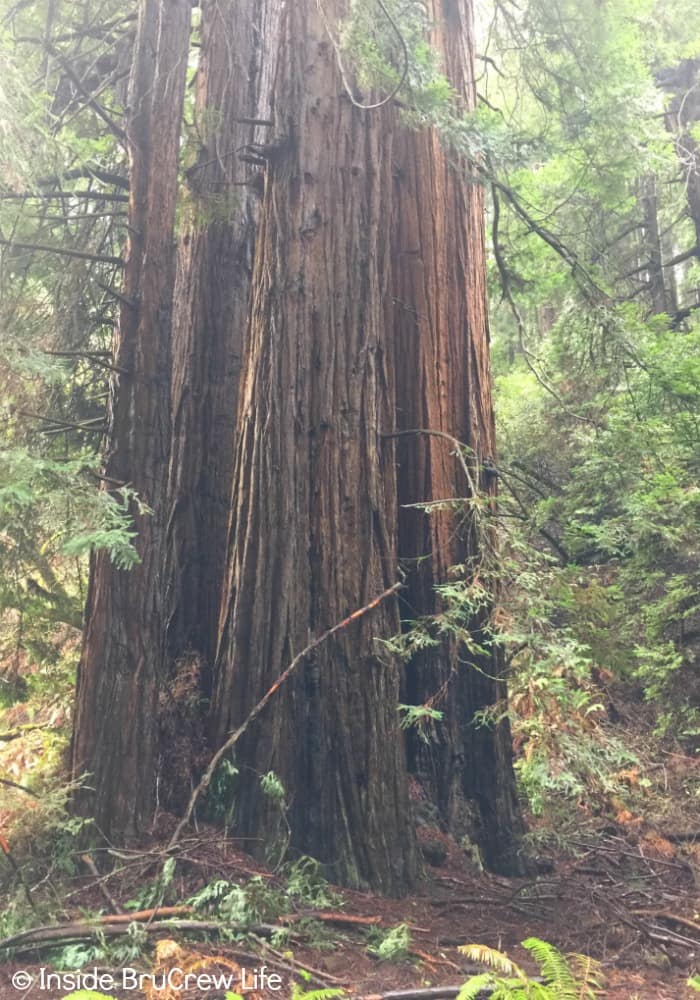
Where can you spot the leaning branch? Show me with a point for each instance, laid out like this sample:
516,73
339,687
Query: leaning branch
49,195
96,173
252,716
63,251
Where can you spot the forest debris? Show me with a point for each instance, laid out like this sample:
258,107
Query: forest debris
434,959
429,993
332,918
36,937
113,904
672,918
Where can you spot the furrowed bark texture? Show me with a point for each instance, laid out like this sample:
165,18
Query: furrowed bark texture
215,264
443,383
115,726
314,509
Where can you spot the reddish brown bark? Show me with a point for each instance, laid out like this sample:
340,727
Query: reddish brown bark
215,263
115,719
314,509
444,384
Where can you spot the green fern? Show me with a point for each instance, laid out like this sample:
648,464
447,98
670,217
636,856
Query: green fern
475,986
565,977
298,993
555,969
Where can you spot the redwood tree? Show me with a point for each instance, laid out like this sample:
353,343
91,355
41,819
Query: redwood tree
444,384
314,504
364,317
115,729
215,262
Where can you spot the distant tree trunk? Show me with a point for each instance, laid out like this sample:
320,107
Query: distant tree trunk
652,250
444,384
314,510
682,83
115,726
212,287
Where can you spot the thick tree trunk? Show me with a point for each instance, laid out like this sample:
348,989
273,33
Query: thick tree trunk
215,264
115,720
212,287
443,384
314,510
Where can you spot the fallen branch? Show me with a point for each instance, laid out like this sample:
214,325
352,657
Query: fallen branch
672,918
40,936
290,964
431,993
113,926
158,911
332,918
252,716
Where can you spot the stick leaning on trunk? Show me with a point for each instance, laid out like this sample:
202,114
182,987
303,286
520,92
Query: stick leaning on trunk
255,712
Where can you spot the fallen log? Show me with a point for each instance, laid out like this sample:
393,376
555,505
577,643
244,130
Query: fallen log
112,926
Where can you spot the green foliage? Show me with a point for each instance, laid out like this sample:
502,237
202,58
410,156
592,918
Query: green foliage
220,800
117,953
272,786
258,901
570,977
299,993
391,945
87,995
156,892
418,717
306,882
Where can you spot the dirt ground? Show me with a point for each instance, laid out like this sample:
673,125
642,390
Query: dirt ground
628,899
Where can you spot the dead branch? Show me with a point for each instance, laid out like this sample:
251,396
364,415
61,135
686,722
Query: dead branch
113,904
672,918
430,993
105,176
62,251
333,918
21,788
49,195
252,716
41,936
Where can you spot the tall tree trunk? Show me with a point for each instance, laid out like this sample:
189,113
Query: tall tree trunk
115,727
212,287
314,508
443,384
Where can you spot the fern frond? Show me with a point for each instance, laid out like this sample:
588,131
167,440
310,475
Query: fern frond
588,975
494,959
555,968
475,985
328,994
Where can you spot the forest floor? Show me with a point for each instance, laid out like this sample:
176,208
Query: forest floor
620,881
629,898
